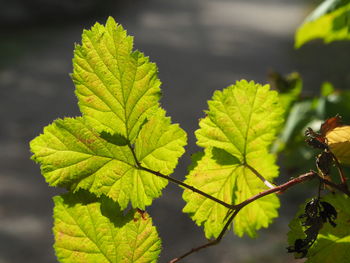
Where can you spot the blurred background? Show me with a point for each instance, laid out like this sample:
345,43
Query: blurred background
199,46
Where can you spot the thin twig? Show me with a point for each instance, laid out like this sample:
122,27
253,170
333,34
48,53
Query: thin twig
238,207
173,180
210,243
280,188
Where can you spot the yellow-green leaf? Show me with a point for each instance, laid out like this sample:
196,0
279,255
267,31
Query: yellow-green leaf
118,93
88,229
117,88
239,127
73,155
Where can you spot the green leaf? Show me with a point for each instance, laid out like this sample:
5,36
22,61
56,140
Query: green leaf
115,138
327,6
117,88
72,154
221,175
88,229
241,119
160,143
118,93
333,243
330,21
240,126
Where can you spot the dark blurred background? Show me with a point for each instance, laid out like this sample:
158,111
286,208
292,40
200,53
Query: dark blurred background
198,45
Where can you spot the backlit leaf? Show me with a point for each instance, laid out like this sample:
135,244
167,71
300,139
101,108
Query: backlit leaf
160,143
88,229
117,88
118,93
239,127
224,177
72,154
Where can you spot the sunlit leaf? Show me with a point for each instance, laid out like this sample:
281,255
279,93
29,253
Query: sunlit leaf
117,88
239,127
72,154
118,93
221,175
88,229
160,143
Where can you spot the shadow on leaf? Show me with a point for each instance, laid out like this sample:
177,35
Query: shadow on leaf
108,208
222,157
116,139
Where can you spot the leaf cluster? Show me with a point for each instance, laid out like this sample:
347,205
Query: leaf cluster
118,156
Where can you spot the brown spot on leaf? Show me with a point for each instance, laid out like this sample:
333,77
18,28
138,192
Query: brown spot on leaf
90,99
142,213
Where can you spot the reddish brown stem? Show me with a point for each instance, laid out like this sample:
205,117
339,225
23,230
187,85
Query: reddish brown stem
210,243
173,180
280,188
238,207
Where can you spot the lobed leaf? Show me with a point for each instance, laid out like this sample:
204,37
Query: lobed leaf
239,127
332,243
160,143
118,93
117,88
241,119
224,177
72,154
88,229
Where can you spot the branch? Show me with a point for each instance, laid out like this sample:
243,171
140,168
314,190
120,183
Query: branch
238,207
280,188
173,180
210,243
